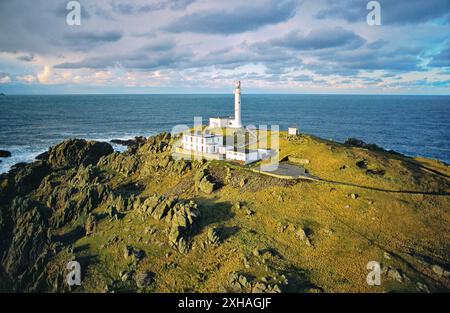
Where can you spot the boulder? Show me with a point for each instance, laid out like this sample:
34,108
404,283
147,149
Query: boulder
212,237
144,279
74,152
5,154
303,236
206,186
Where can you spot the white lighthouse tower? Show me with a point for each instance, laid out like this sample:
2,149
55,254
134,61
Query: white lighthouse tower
237,106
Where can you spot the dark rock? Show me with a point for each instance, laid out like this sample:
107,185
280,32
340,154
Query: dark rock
29,176
42,156
74,152
126,275
90,224
5,154
354,142
133,253
377,172
361,164
26,254
144,279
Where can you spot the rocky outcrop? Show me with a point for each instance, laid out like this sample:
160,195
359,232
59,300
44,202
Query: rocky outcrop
179,215
239,282
354,142
121,163
204,181
156,144
24,178
75,152
25,255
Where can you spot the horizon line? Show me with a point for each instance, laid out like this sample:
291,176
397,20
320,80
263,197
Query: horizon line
223,93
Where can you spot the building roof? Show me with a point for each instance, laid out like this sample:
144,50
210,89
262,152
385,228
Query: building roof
202,135
222,117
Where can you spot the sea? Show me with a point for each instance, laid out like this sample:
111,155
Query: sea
412,125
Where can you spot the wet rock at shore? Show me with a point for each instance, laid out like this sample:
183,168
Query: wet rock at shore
5,154
132,144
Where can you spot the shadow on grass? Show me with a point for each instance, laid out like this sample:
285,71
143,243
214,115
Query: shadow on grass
227,231
299,280
213,212
71,236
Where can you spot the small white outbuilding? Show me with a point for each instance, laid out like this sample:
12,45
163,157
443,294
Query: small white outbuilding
293,131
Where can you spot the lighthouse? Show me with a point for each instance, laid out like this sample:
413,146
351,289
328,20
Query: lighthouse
237,105
229,121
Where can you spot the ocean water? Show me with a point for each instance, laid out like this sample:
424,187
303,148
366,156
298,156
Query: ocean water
413,125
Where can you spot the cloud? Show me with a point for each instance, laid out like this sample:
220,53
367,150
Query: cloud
442,59
316,39
303,78
158,54
133,8
239,19
127,42
351,62
5,78
26,58
393,12
27,79
45,76
81,40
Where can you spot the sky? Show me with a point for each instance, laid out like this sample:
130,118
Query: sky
203,46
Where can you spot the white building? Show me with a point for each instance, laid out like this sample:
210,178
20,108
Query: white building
246,156
204,143
219,122
293,131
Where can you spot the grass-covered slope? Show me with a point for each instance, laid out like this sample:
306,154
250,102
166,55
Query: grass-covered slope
141,221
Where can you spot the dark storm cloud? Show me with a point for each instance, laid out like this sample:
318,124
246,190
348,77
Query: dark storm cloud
240,19
442,59
392,11
316,39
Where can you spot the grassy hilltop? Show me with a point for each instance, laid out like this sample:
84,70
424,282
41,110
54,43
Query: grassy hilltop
141,221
